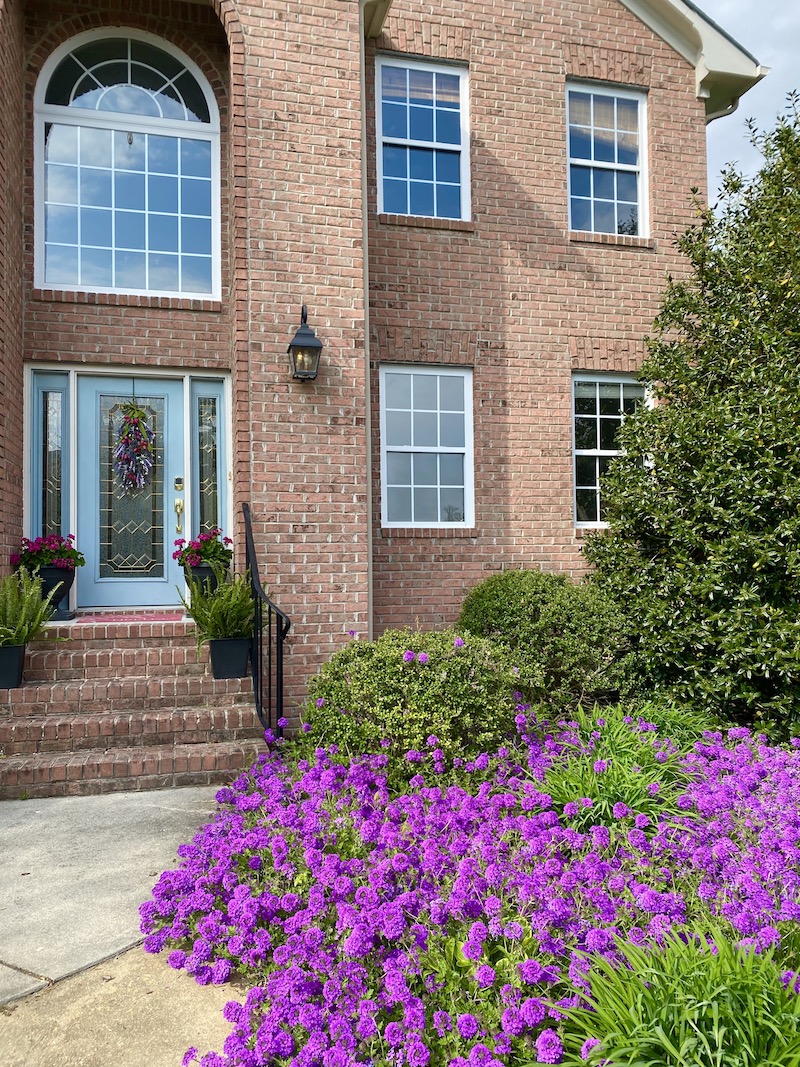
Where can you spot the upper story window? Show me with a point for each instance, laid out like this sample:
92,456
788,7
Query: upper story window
606,160
127,170
599,406
423,139
426,446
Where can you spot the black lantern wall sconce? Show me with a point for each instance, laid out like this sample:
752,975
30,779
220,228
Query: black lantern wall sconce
304,350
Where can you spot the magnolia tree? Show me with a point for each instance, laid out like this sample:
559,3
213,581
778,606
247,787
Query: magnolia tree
702,547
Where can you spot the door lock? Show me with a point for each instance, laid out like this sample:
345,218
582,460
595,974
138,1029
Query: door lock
179,513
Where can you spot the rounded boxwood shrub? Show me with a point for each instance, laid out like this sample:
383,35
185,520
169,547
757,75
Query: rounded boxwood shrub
397,692
570,633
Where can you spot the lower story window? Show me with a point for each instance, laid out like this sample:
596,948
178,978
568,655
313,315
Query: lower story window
426,447
599,405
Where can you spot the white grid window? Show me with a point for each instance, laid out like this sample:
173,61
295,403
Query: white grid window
599,406
422,139
606,161
127,172
426,447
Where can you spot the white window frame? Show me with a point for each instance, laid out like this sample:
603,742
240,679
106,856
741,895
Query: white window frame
597,453
467,451
45,114
640,170
463,148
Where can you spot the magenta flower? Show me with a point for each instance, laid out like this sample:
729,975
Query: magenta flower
408,656
548,1047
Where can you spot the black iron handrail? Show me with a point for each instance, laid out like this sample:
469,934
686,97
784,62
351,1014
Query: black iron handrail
270,628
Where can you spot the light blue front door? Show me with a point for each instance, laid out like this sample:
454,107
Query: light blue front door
128,539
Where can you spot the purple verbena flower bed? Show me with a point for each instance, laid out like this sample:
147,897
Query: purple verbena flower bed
448,925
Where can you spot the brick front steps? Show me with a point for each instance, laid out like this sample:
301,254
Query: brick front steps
119,705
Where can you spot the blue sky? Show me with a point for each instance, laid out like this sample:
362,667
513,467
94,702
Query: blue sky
770,30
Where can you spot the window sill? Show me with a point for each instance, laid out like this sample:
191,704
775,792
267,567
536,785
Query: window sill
618,240
428,532
425,222
172,303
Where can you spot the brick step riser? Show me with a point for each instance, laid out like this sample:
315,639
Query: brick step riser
124,704
85,773
21,735
49,675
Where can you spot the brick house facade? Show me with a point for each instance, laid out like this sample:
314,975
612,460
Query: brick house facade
456,320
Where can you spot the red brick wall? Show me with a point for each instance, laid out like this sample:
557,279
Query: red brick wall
513,294
11,301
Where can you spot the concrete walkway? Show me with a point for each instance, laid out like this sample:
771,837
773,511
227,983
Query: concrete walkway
73,990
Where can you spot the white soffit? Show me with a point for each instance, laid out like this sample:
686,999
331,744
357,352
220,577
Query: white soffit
375,12
725,70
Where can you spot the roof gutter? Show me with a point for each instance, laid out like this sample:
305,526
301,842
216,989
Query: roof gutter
724,70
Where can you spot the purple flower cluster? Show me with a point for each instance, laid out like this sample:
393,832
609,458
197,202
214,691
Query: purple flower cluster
448,925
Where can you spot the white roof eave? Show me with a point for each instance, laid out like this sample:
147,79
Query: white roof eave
724,69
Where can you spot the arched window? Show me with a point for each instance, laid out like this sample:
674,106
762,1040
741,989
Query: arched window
127,170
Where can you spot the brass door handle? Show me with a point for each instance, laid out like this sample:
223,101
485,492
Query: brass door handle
179,513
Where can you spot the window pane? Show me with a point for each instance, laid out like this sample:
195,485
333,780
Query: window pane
60,265
585,433
398,504
162,232
130,229
95,147
626,186
628,114
395,120
421,163
129,150
95,227
129,191
603,181
627,219
95,187
394,82
420,86
96,267
426,505
195,158
604,146
448,127
426,468
397,389
608,434
605,217
609,398
631,395
395,197
628,150
61,144
451,470
61,224
426,395
448,167
448,202
580,214
451,392
395,161
196,236
196,274
585,470
130,271
452,430
425,429
61,184
162,193
580,108
162,154
580,143
586,505
398,427
398,468
421,124
421,199
448,90
452,505
585,398
195,196
580,181
163,272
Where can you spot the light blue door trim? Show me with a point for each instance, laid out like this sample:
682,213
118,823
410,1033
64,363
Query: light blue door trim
96,587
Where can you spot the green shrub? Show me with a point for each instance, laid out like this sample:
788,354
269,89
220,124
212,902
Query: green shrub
571,634
23,610
408,686
686,1004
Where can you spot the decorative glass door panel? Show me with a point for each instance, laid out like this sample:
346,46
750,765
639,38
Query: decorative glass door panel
131,528
126,532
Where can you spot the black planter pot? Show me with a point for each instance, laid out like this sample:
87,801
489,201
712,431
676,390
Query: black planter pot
229,656
52,578
203,574
12,663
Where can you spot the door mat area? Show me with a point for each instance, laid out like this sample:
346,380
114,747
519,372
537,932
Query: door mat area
130,616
